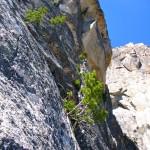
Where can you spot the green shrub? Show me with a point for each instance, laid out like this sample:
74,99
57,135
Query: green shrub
69,104
58,20
77,84
91,110
93,93
36,15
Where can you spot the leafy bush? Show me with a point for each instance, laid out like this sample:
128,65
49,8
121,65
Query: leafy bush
58,20
89,109
70,106
93,93
36,15
68,102
77,84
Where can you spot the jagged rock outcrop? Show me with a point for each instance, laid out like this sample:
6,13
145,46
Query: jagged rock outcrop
37,68
95,38
128,79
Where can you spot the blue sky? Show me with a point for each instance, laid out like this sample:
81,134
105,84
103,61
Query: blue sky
127,21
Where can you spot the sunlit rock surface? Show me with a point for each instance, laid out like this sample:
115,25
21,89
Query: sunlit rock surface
128,79
95,37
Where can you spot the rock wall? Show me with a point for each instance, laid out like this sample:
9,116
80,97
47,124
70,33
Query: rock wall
37,68
31,112
95,38
128,78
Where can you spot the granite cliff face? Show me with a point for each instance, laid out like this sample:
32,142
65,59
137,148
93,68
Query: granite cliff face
128,79
95,38
37,68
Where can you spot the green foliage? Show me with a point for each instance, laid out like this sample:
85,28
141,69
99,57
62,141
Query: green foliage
68,102
69,94
93,92
82,56
77,84
55,3
36,15
70,106
78,68
91,110
58,20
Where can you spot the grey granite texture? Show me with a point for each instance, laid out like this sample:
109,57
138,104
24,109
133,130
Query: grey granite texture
37,68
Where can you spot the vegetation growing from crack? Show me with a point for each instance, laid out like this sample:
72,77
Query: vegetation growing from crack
58,20
69,104
93,93
77,66
55,3
36,15
77,84
89,109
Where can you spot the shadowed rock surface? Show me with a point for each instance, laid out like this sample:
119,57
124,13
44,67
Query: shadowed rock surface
37,68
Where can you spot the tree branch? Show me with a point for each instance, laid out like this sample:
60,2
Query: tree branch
74,108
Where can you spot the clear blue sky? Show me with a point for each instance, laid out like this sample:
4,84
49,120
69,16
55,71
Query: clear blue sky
127,21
